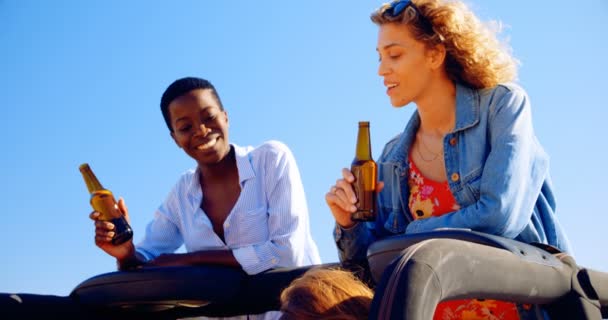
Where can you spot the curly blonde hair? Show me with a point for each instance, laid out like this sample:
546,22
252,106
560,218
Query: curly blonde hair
474,55
326,294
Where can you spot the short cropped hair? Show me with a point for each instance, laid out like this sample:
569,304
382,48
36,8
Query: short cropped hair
180,87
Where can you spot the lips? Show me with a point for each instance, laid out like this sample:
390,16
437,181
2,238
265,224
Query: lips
208,144
390,87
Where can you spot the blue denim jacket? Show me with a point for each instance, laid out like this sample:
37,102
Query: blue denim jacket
497,171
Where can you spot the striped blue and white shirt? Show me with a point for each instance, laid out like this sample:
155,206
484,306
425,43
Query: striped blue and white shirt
268,227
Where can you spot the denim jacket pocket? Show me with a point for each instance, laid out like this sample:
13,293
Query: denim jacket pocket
472,185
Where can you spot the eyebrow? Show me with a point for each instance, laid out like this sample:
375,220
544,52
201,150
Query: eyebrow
181,119
389,46
204,109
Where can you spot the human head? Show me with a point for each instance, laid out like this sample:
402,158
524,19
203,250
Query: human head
199,125
474,55
180,87
326,294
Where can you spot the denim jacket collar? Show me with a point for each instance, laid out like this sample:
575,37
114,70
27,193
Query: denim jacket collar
467,108
467,115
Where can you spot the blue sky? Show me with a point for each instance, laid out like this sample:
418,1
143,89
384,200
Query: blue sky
81,81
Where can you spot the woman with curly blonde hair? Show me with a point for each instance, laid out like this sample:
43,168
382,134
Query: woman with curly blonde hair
468,157
326,294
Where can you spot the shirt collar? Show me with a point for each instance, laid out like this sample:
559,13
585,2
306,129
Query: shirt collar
243,166
243,163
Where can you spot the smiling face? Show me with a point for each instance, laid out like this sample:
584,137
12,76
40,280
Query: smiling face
200,126
406,65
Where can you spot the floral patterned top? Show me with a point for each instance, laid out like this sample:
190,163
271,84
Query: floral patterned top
431,198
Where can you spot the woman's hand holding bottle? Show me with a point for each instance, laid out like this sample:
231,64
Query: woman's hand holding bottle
341,199
104,233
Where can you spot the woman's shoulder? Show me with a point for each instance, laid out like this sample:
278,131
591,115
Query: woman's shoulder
511,89
274,146
270,147
268,151
186,177
184,183
509,97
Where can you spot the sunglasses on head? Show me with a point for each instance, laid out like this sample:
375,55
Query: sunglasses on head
397,7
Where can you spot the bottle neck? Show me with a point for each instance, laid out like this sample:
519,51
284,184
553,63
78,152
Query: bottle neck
364,147
90,179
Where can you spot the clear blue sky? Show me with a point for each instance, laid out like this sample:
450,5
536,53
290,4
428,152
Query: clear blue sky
80,81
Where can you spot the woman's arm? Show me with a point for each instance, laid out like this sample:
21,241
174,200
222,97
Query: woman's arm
205,257
162,235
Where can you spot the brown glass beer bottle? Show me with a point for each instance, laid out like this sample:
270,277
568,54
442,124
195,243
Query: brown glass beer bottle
364,169
102,200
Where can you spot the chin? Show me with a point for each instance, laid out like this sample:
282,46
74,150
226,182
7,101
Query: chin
217,156
398,103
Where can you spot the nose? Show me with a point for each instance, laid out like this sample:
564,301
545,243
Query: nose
383,69
203,130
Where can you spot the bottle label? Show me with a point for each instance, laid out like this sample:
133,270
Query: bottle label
365,191
105,203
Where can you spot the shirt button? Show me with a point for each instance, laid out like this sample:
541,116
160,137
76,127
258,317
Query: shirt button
227,225
455,176
453,141
274,261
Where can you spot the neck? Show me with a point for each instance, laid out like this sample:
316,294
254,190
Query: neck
437,107
220,170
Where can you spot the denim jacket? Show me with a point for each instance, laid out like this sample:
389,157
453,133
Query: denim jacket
497,171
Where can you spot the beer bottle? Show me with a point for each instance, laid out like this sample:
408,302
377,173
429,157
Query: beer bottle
102,200
364,169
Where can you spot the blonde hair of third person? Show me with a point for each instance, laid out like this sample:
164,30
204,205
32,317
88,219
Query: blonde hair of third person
326,294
